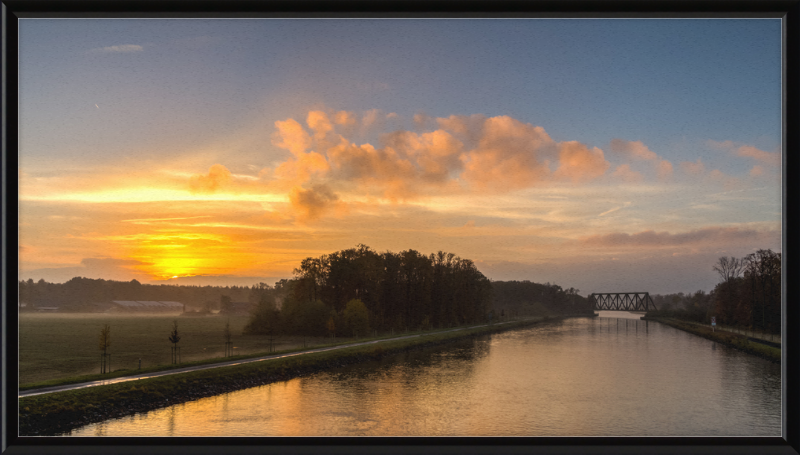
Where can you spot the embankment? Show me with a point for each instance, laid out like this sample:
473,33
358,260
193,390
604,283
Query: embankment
733,340
59,412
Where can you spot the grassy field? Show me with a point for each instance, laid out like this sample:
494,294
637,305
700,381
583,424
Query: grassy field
58,346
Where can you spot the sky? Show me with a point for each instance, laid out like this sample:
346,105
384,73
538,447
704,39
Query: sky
608,155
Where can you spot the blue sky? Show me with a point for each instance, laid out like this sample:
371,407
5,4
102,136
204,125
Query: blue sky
105,103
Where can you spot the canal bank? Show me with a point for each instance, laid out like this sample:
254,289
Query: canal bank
734,340
56,413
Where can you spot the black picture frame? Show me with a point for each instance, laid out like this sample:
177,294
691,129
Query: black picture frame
12,10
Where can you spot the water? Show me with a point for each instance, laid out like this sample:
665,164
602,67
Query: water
577,377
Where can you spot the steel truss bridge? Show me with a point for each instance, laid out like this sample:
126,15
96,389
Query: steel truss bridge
622,301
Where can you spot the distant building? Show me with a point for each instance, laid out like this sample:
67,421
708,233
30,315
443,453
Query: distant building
46,309
145,306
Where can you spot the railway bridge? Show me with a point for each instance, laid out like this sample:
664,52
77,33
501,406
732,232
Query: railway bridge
622,301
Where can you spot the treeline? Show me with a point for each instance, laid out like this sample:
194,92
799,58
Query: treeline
85,294
392,291
747,296
522,298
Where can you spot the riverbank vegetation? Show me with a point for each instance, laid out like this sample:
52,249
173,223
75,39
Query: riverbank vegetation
397,292
360,290
734,340
55,413
747,297
81,295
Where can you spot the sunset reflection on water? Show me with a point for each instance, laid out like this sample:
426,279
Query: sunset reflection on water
578,377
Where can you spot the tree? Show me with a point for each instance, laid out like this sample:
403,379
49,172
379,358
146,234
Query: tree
225,306
356,317
174,338
227,335
331,326
104,343
729,268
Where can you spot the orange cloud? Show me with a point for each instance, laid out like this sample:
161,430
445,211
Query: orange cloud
436,153
759,155
422,120
748,151
510,155
291,136
693,168
632,149
757,171
469,127
302,168
312,203
218,175
345,118
381,169
626,174
370,117
465,154
578,163
319,122
664,170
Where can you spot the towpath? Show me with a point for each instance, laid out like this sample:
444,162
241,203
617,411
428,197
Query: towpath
83,385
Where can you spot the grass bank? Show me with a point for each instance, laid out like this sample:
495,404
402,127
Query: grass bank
56,413
202,341
734,340
64,346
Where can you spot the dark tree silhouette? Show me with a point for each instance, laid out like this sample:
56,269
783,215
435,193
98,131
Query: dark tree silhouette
227,335
174,338
729,268
104,343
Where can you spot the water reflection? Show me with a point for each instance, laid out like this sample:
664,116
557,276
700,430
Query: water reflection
603,376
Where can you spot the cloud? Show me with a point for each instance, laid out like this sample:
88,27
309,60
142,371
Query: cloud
578,163
291,136
702,237
117,49
109,262
468,128
664,170
728,181
313,202
509,155
422,120
624,173
757,171
436,153
319,122
627,204
747,151
218,176
632,149
345,118
759,155
693,168
302,168
382,169
465,154
370,117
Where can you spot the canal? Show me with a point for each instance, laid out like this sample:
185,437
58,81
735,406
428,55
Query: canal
614,375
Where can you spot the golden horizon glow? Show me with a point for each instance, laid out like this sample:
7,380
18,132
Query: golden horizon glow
427,192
